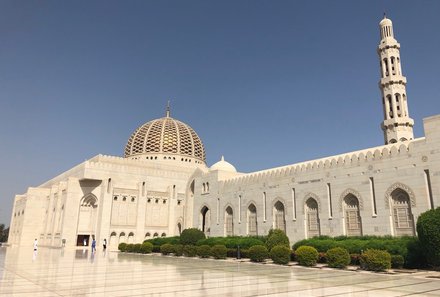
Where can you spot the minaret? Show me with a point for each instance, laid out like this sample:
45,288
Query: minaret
397,125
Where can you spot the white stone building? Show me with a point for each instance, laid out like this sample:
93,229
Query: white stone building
163,185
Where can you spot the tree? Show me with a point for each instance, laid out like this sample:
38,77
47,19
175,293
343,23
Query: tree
4,233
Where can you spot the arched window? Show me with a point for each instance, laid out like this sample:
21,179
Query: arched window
163,234
252,220
312,216
279,216
155,234
205,220
402,215
147,235
353,223
229,222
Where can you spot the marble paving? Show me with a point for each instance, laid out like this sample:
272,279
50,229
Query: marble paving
78,272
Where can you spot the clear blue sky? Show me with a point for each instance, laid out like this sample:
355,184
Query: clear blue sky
265,83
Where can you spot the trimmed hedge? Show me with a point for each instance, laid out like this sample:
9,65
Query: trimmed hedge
189,250
338,257
219,251
428,230
178,250
122,247
158,241
231,242
406,246
397,261
191,236
258,253
277,237
204,251
375,260
280,254
146,248
167,249
306,255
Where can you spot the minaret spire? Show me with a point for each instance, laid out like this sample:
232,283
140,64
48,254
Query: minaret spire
167,114
397,125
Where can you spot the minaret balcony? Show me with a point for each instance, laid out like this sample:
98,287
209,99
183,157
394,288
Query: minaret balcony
393,79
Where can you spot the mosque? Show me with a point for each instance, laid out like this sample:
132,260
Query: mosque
163,185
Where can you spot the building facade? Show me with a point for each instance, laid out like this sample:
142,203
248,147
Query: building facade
162,185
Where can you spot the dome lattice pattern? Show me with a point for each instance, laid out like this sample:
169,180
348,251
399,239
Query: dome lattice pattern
167,136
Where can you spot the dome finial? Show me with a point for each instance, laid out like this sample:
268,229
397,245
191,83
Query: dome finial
384,15
168,110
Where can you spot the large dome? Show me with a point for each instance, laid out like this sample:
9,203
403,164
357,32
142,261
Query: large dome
165,138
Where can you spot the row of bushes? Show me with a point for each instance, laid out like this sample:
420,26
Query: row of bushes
338,257
406,249
194,236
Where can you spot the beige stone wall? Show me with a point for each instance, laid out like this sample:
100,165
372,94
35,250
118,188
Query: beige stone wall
329,181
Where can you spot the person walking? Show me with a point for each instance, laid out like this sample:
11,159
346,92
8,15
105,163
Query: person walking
104,244
35,245
93,245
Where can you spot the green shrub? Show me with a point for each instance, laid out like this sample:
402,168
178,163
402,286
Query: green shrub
280,254
306,255
162,240
146,248
232,242
166,249
416,257
178,250
375,260
122,247
338,257
137,247
428,230
189,250
258,253
277,237
156,248
130,248
204,251
397,261
191,236
219,251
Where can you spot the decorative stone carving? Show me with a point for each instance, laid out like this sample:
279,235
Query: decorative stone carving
402,187
311,195
354,193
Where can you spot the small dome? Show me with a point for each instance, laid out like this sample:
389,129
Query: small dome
222,165
165,136
385,22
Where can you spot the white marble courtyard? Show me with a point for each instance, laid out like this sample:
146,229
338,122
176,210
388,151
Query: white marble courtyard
76,272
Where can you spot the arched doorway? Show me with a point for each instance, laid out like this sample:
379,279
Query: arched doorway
312,217
229,221
87,216
353,222
205,219
252,220
403,219
279,216
179,228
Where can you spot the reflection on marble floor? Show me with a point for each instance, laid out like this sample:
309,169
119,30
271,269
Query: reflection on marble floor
78,272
